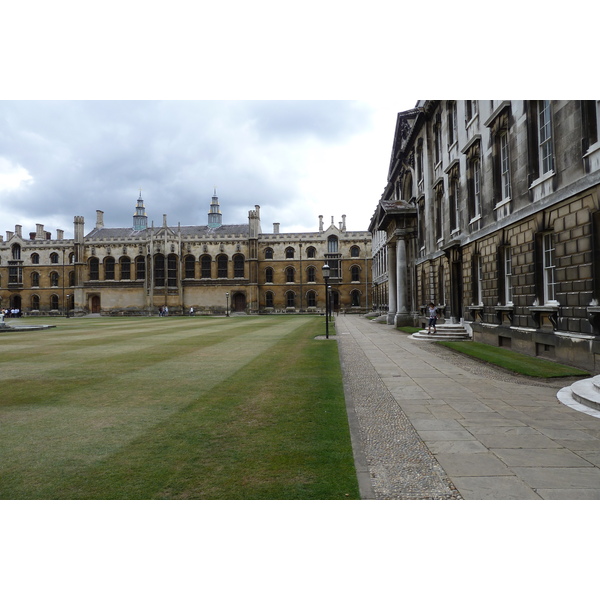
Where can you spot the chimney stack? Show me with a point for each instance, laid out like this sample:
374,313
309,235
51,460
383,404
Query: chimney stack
321,223
275,227
99,219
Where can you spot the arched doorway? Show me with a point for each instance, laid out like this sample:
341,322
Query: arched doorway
238,302
15,302
95,304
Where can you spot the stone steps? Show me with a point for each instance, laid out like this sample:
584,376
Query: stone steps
445,332
583,395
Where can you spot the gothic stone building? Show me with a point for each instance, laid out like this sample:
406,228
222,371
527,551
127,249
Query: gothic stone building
211,268
492,212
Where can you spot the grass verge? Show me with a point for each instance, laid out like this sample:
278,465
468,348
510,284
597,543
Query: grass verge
514,361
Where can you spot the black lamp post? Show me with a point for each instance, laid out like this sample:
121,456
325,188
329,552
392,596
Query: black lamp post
326,271
227,307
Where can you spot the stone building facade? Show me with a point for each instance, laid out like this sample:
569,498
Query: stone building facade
492,212
211,268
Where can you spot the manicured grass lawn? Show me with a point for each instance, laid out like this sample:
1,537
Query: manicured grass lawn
173,408
515,361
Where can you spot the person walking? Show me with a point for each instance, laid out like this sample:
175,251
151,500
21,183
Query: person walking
432,318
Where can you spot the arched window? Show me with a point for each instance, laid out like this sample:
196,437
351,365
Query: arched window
16,251
109,268
94,266
35,280
268,252
125,267
290,299
355,296
35,259
190,267
205,266
269,275
289,274
172,270
54,258
222,266
269,299
355,252
355,270
159,270
289,252
54,279
35,302
71,278
238,265
140,268
311,274
311,299
332,244
54,302
311,252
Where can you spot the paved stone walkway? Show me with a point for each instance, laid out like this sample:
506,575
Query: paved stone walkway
429,424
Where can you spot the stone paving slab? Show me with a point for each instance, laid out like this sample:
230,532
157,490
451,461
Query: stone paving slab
432,424
504,487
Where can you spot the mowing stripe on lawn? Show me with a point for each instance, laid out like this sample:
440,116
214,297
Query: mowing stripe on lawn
82,418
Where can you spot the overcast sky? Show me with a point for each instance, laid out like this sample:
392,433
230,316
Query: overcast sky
295,159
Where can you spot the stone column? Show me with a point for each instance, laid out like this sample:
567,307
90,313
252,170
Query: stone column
402,316
391,255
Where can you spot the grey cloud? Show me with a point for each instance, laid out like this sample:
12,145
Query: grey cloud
92,155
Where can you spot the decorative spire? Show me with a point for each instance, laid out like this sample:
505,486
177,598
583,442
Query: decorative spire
215,218
140,220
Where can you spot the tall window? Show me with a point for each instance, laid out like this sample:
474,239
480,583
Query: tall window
35,302
54,258
549,269
452,123
54,302
269,299
311,252
125,268
332,244
289,252
355,298
470,109
311,274
311,299
454,202
479,280
504,166
355,252
16,251
238,266
35,259
439,199
54,279
269,275
437,138
355,273
140,268
545,137
109,268
205,266
190,267
507,264
290,299
94,269
172,262
35,280
159,270
222,266
268,252
289,274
